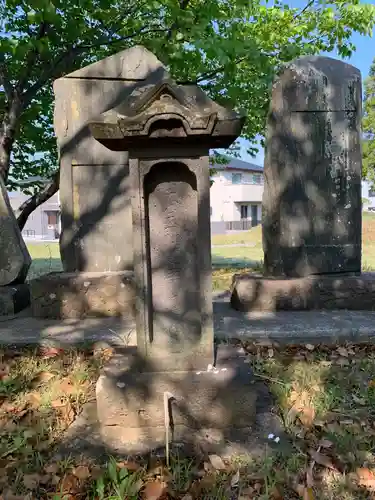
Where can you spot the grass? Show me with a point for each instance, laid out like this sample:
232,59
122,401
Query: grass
325,395
226,260
326,399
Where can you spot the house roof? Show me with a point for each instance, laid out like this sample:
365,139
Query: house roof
236,164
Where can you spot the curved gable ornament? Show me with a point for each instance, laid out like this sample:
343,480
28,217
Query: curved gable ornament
166,111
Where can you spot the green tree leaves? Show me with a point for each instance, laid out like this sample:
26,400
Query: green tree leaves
232,49
368,127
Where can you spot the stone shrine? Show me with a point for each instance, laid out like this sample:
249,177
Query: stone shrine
312,194
168,131
15,260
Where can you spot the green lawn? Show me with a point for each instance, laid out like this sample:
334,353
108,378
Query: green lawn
247,254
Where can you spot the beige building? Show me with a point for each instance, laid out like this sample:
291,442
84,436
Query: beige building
44,223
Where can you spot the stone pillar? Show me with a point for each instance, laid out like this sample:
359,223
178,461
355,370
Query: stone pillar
172,258
168,130
312,190
15,260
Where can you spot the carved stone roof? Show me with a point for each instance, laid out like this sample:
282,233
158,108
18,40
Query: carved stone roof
165,109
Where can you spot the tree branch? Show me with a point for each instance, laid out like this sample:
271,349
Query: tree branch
54,68
4,79
37,199
307,6
31,57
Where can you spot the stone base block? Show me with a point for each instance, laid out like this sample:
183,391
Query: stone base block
13,299
333,291
77,295
134,408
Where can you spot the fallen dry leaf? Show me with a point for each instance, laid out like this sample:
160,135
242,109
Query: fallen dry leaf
127,464
366,478
34,398
343,352
58,403
42,378
68,484
82,472
52,468
275,494
50,352
307,416
31,481
217,462
154,490
67,386
308,494
322,459
235,479
325,443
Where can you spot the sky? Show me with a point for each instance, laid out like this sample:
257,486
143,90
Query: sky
361,59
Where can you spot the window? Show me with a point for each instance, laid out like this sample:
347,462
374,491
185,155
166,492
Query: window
257,179
236,178
52,218
244,211
371,193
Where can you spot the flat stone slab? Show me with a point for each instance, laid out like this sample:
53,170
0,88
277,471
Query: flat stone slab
282,326
251,292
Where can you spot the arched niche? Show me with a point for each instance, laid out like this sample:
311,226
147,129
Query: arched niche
171,230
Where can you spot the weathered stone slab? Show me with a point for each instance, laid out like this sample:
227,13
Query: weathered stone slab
131,408
15,259
77,295
94,186
13,299
257,293
312,190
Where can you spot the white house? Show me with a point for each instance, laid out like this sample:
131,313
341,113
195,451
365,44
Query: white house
44,223
236,196
235,201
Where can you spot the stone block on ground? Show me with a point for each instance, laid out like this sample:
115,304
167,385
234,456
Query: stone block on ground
13,299
15,259
340,291
205,405
77,295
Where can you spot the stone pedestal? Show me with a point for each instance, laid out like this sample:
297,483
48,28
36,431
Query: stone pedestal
257,293
77,295
204,408
13,299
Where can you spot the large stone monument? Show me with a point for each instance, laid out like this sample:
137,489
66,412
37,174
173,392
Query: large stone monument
168,130
312,194
96,240
14,260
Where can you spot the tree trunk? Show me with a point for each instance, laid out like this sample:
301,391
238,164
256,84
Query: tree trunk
9,126
37,199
